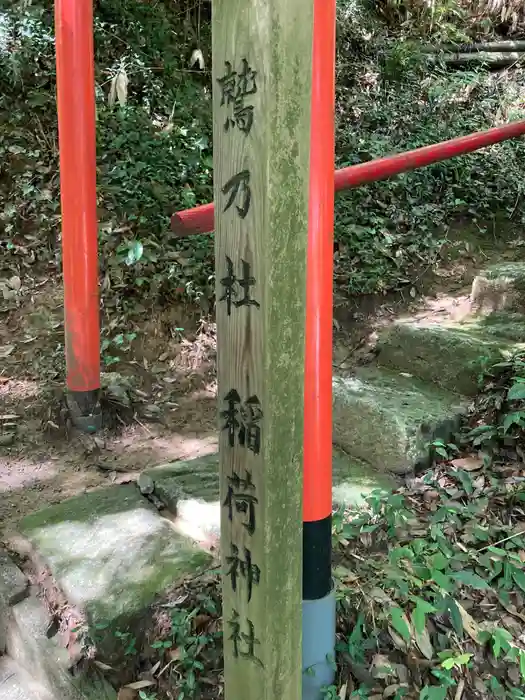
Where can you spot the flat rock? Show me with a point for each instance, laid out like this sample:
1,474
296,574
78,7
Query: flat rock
16,684
190,489
13,587
46,660
453,357
388,419
500,324
499,288
354,480
111,553
13,583
175,482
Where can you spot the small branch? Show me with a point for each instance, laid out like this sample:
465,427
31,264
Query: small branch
506,539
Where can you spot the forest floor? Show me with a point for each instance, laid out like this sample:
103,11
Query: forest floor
164,360
452,632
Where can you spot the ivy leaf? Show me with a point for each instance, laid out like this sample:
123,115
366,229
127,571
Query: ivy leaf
455,615
135,252
441,580
424,605
514,418
439,561
519,578
420,612
456,661
401,553
400,623
500,640
433,692
419,620
522,663
516,392
469,578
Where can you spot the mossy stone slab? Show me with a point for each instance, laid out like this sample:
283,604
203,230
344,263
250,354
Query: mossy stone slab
111,552
505,325
388,420
194,478
190,488
453,357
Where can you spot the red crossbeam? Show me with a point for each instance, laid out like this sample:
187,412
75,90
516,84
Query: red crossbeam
200,219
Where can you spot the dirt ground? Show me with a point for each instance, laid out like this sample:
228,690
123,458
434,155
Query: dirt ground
167,370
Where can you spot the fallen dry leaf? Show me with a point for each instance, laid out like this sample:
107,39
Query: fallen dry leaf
15,282
127,694
424,644
102,666
139,685
398,640
200,622
174,654
469,623
468,464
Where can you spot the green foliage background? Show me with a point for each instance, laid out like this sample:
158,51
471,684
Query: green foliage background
155,154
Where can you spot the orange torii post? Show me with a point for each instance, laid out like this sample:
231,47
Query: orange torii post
77,142
273,97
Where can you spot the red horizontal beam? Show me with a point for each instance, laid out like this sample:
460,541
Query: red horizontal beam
201,219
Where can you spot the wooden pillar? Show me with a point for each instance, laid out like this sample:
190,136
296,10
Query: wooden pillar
262,65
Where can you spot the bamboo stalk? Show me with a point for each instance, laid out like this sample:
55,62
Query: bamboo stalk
489,46
483,58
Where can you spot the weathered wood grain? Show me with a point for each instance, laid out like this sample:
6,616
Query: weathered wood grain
261,346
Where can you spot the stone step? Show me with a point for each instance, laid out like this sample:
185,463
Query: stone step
500,324
389,419
451,356
190,489
112,555
499,288
17,684
46,660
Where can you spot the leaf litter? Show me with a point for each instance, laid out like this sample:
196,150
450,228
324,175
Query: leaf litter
430,585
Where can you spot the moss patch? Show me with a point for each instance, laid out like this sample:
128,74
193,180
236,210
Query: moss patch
388,420
176,482
111,553
355,480
451,357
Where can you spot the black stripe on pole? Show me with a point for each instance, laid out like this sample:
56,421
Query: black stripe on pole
317,558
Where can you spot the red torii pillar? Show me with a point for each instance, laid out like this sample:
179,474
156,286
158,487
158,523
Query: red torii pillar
77,142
